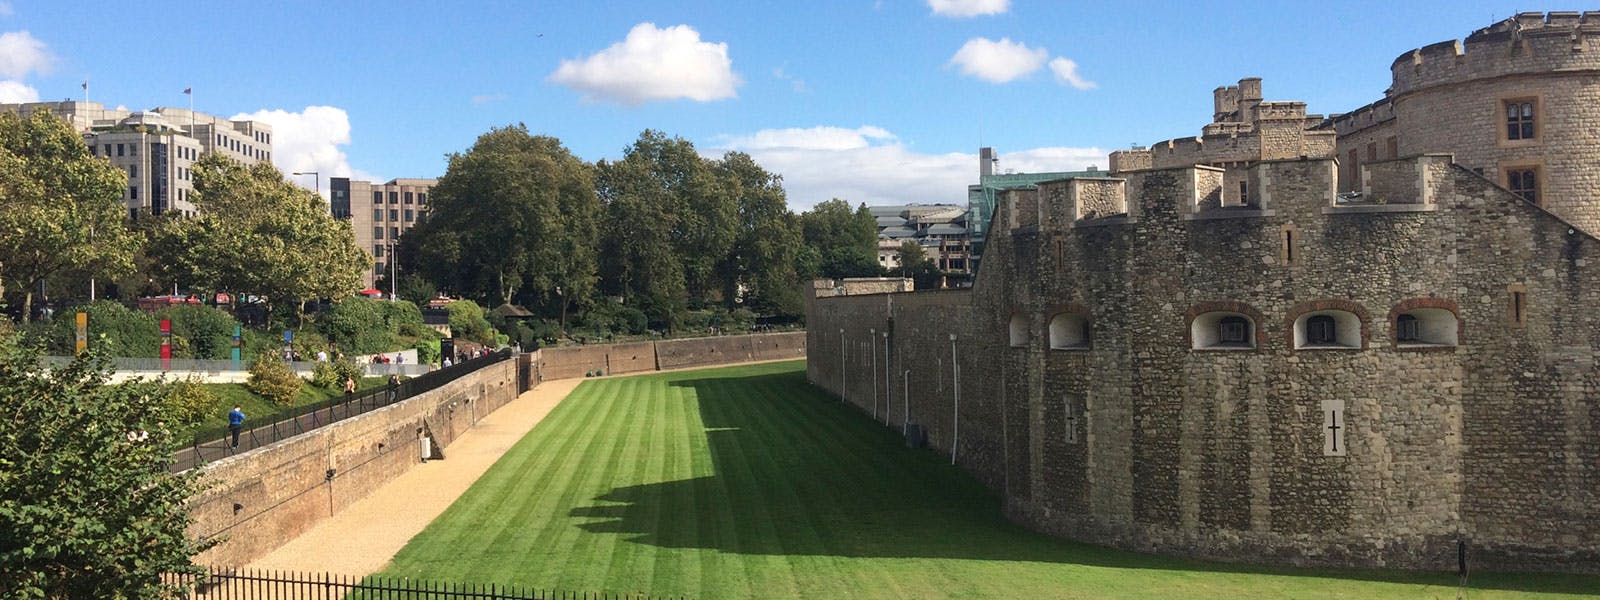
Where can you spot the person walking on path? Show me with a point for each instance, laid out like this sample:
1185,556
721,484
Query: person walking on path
235,423
349,388
394,387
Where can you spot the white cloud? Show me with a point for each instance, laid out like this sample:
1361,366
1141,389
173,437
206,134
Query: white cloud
1067,72
968,8
487,98
16,91
310,140
998,62
813,138
21,54
868,164
653,64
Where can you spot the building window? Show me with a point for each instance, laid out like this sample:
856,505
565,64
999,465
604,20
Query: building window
394,233
133,171
1287,253
108,150
422,198
409,215
377,197
408,197
1524,181
1321,329
133,192
119,149
377,250
1325,329
1069,332
1519,120
377,215
394,197
377,233
1233,331
1406,328
1222,331
1244,193
1518,307
1019,331
394,214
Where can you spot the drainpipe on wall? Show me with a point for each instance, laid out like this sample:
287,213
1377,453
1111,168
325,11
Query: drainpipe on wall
888,388
955,378
841,365
873,333
905,399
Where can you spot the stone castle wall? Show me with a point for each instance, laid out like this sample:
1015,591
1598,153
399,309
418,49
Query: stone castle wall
1140,440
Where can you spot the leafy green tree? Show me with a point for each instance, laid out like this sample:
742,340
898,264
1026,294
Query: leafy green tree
845,241
256,234
356,325
638,261
87,507
916,265
763,257
60,207
467,321
514,219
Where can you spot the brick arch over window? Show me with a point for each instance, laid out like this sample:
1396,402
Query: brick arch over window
1354,308
1412,304
1231,306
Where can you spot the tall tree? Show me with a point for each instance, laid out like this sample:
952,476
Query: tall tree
257,234
60,207
515,218
702,217
638,260
762,262
845,241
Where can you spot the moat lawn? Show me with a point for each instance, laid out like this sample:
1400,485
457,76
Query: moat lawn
745,482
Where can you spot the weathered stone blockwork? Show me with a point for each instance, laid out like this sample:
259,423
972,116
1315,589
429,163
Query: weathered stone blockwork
1141,440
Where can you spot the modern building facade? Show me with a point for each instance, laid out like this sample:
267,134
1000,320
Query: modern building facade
157,148
379,213
940,229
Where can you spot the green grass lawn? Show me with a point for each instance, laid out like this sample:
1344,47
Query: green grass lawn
746,482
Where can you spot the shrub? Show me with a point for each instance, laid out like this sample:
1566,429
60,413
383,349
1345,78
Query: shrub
467,322
632,321
113,328
209,330
428,350
357,326
326,377
404,319
186,402
271,378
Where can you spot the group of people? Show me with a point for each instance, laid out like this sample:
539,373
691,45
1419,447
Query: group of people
383,359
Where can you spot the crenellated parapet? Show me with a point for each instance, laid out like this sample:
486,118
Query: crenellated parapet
1529,43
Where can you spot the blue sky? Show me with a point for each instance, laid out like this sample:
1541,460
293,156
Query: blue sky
880,102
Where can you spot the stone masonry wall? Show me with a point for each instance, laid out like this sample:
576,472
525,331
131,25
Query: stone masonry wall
1140,440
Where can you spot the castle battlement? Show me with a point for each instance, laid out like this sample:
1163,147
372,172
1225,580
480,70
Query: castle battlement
1525,44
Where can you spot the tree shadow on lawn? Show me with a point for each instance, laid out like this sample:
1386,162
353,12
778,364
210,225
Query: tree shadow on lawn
798,473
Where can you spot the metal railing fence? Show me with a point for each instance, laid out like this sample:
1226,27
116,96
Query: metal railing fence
215,442
230,584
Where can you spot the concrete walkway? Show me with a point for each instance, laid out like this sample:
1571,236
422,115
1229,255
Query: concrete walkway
361,539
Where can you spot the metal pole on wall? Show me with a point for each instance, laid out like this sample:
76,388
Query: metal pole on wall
841,365
955,378
888,388
872,333
905,400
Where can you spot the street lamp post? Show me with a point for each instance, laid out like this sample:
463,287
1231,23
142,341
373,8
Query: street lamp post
316,180
392,258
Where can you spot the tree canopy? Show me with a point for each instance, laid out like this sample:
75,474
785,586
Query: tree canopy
87,507
845,241
60,207
257,234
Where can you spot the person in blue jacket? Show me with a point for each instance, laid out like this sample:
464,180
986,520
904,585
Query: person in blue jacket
235,423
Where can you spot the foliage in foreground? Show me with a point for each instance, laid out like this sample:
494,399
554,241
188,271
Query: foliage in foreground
87,507
272,378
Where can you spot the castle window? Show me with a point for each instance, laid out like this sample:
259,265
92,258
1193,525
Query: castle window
1392,146
1019,331
1519,120
1222,331
1425,327
1524,181
1069,332
1327,329
1517,309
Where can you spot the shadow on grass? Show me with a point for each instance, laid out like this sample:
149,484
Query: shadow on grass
798,473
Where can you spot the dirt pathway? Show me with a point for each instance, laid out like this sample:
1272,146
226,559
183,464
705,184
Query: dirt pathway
361,539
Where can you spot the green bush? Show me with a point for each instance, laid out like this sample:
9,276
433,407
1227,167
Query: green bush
428,350
271,378
186,402
404,319
468,322
113,328
740,319
208,330
632,321
357,326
